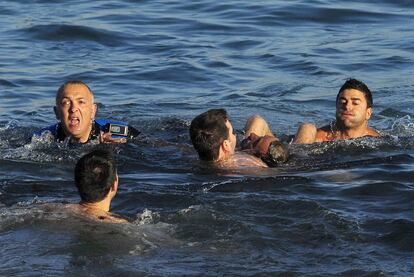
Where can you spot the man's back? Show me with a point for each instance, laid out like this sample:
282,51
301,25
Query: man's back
241,160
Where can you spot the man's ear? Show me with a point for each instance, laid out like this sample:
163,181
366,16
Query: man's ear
226,145
114,187
368,113
56,113
94,110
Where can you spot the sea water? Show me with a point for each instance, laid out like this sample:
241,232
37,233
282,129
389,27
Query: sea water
338,208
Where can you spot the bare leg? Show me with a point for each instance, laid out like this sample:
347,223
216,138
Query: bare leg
306,134
256,124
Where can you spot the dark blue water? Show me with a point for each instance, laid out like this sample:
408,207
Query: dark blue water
335,209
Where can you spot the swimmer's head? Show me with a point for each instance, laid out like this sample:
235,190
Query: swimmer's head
96,175
212,135
278,153
75,108
357,85
353,105
71,83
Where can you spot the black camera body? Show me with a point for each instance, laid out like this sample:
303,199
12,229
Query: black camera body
118,130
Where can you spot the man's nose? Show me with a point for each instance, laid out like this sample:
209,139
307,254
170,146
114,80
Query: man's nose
73,107
348,105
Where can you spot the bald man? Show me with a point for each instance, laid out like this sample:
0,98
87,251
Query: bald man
75,110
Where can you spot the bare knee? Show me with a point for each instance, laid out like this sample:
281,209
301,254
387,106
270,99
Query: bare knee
256,120
306,134
256,124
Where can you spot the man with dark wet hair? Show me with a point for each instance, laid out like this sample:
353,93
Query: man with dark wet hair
212,135
214,140
96,178
75,109
354,107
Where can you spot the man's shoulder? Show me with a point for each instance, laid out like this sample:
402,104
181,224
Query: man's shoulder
53,132
52,129
324,129
95,215
373,133
241,159
323,133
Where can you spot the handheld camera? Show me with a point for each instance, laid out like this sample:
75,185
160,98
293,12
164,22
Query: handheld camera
117,130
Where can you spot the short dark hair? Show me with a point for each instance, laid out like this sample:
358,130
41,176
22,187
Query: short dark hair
67,83
208,131
95,173
358,85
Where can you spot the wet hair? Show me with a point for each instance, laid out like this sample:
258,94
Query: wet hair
68,83
278,153
95,173
208,131
358,85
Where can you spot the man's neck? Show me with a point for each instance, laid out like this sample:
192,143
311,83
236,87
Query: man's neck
341,132
103,205
83,139
223,156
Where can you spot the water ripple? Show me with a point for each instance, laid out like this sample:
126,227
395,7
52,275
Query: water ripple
59,32
341,208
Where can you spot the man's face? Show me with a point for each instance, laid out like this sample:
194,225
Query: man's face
76,110
351,109
231,138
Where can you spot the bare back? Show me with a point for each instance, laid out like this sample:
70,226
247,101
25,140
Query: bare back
242,160
96,215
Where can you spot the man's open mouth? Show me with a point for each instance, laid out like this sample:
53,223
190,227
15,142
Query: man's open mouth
74,122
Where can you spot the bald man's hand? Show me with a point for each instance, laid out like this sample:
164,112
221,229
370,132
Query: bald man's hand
107,138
